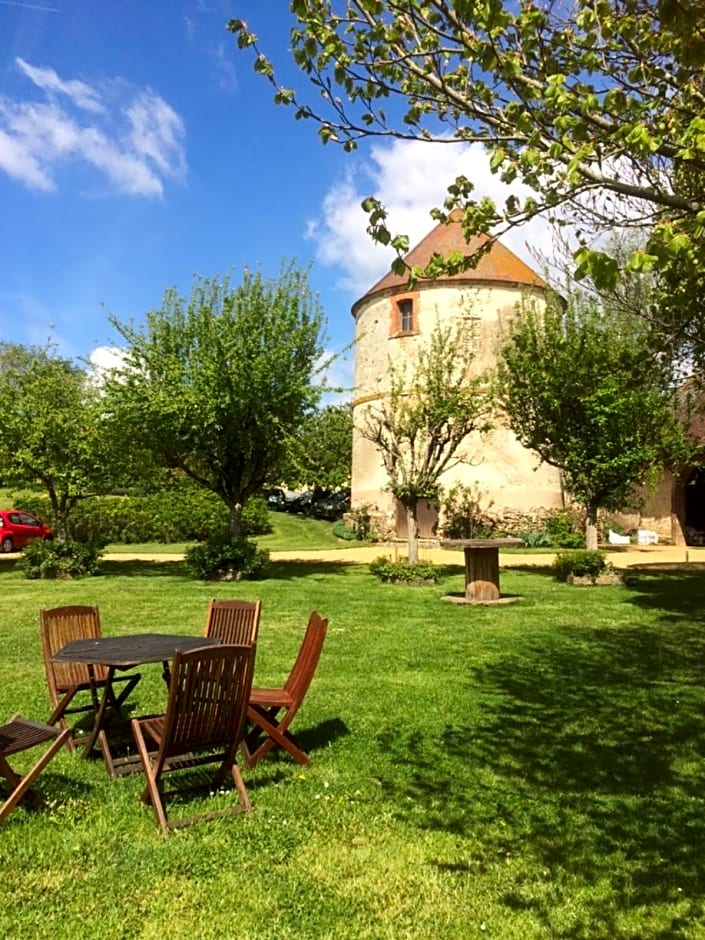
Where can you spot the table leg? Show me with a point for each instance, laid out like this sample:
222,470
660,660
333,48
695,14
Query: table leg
482,574
98,731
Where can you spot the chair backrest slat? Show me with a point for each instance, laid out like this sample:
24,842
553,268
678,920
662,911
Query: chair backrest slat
233,622
306,661
60,625
208,695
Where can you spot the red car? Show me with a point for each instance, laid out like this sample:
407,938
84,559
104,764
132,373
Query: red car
18,527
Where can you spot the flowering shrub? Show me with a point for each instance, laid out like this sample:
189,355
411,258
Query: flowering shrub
464,517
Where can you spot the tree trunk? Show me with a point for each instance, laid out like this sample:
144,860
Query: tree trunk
235,524
59,513
591,528
412,530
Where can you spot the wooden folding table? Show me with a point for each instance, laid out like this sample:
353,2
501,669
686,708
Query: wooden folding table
123,652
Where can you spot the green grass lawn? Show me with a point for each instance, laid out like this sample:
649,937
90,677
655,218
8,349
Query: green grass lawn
289,533
535,770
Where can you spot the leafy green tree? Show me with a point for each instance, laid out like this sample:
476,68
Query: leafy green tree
579,386
420,427
52,429
320,453
598,106
215,385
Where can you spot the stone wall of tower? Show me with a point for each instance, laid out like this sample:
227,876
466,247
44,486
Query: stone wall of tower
504,474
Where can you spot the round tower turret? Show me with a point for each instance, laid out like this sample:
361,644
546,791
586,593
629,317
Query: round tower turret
391,321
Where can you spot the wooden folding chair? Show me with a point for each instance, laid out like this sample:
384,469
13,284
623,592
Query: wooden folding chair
271,711
204,724
60,625
233,622
20,734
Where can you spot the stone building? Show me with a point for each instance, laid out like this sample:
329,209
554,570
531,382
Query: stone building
507,479
390,323
676,507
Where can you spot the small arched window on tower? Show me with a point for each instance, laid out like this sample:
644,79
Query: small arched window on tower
406,315
403,316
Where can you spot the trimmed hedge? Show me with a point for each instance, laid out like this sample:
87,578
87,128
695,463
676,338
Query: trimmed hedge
341,531
401,571
225,559
580,564
184,513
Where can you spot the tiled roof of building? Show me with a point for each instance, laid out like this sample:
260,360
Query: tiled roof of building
498,265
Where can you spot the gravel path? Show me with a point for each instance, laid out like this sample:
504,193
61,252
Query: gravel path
620,558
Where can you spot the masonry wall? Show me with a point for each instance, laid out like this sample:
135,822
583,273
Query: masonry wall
504,474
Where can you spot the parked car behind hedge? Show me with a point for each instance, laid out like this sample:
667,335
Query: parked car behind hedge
18,528
333,506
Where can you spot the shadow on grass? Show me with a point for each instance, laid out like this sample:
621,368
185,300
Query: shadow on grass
134,568
303,568
322,735
675,589
279,571
450,571
586,759
678,591
54,786
309,740
544,570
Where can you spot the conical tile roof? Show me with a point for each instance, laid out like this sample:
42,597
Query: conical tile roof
498,265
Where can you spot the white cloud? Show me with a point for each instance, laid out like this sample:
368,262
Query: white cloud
133,137
203,22
82,95
102,360
225,67
19,162
409,178
157,133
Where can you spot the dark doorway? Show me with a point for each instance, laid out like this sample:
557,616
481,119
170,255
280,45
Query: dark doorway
695,507
426,515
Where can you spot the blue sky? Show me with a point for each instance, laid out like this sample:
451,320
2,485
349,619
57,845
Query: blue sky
138,148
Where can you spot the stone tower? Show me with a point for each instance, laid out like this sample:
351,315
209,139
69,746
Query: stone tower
390,323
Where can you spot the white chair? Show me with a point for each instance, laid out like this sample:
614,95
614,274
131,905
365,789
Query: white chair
614,538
